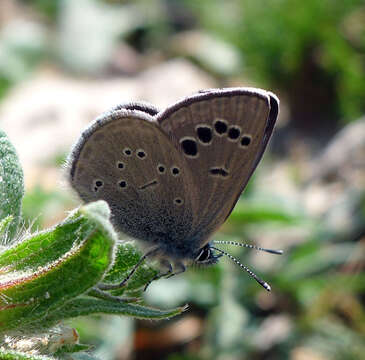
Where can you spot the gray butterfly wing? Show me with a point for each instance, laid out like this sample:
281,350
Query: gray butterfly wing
139,106
125,159
222,133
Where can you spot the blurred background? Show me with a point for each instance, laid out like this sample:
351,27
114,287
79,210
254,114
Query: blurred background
63,62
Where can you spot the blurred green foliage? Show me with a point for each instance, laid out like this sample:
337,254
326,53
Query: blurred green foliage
22,48
40,206
279,38
282,43
49,8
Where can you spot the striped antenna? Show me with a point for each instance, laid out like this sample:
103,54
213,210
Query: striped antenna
263,283
228,242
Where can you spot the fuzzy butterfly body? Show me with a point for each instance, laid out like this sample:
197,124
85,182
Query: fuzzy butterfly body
172,177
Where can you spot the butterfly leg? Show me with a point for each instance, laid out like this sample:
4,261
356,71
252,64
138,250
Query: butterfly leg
124,282
180,266
160,275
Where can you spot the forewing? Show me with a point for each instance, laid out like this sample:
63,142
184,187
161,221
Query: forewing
222,134
125,159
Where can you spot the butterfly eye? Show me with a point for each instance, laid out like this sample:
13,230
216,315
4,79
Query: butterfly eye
204,255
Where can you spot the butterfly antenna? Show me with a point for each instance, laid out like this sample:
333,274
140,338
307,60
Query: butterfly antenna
227,242
263,283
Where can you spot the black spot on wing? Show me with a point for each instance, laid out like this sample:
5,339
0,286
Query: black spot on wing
204,133
219,171
189,147
151,183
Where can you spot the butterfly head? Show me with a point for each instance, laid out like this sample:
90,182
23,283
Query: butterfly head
209,255
206,256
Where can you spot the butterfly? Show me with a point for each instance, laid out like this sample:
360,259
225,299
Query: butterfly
172,177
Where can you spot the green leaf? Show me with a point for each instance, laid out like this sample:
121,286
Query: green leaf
16,355
47,246
31,289
127,255
84,356
253,212
86,306
67,349
11,186
314,260
4,224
